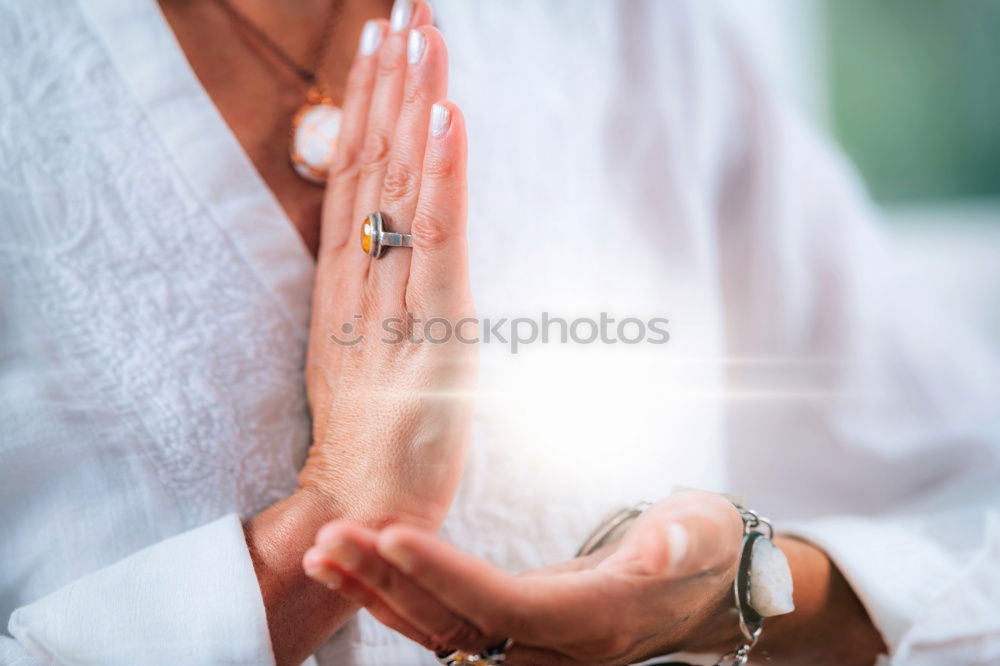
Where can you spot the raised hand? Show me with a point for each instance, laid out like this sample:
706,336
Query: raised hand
390,415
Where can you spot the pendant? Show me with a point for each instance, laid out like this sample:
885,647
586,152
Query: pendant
314,132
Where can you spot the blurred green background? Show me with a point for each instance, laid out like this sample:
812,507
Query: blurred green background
910,90
914,95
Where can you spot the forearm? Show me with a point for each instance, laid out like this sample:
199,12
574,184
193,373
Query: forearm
829,624
301,613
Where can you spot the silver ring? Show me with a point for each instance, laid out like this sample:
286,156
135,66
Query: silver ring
375,238
494,655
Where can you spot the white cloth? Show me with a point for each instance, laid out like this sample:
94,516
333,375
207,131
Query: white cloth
625,157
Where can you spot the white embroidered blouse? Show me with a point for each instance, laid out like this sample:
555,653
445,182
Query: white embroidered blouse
628,159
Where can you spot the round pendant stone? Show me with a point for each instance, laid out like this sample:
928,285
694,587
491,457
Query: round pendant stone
314,139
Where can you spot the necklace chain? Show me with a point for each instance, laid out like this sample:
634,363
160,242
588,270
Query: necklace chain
308,75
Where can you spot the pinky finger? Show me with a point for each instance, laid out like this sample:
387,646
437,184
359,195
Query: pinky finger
439,277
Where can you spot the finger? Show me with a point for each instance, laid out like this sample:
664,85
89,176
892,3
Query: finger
438,283
380,126
318,565
337,288
410,13
426,82
537,609
356,592
690,533
342,180
352,550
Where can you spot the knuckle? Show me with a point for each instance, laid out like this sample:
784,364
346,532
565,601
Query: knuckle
414,95
345,162
440,167
391,64
400,183
428,232
375,150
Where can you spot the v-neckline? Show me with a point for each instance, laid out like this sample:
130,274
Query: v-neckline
218,170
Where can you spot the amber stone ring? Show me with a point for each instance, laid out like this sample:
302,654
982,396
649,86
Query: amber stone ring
374,237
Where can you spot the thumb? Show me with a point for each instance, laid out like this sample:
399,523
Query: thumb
690,533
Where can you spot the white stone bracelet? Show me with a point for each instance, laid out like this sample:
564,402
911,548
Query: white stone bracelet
763,583
762,587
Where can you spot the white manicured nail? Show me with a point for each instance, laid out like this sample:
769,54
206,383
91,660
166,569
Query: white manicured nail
402,12
440,117
415,46
371,37
678,541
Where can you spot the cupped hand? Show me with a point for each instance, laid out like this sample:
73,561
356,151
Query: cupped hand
666,586
390,405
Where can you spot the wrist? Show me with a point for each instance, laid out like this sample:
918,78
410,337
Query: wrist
301,614
829,624
278,537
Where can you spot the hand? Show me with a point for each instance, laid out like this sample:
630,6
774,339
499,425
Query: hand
391,417
664,587
389,432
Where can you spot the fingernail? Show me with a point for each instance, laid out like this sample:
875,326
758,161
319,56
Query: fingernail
397,555
415,47
402,12
371,37
313,559
327,576
440,117
346,556
678,541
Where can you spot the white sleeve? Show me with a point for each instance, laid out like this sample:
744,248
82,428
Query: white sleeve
934,602
13,653
191,599
874,431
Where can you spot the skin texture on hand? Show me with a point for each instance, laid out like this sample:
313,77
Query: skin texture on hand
390,421
391,417
666,587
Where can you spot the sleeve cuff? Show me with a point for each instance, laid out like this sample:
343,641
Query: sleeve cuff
899,574
191,599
